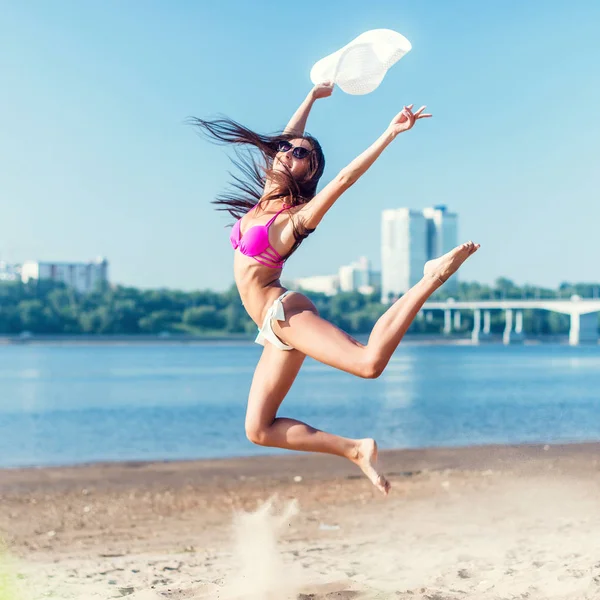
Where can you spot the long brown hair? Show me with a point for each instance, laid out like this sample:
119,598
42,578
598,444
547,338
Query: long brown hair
256,168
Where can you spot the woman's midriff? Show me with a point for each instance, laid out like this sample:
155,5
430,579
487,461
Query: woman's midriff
258,286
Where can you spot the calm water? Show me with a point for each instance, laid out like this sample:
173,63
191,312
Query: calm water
73,404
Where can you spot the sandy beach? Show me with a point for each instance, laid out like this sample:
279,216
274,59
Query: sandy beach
496,522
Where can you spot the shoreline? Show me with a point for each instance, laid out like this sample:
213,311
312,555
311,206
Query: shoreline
396,462
266,462
143,339
428,457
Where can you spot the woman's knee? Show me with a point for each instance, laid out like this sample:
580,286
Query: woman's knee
257,433
371,367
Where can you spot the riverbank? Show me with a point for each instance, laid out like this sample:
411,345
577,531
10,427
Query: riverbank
463,338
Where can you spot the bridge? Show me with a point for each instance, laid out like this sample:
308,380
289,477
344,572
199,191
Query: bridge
583,314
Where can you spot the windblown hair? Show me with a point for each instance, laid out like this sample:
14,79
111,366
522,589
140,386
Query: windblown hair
256,168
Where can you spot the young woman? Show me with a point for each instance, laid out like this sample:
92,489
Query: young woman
276,205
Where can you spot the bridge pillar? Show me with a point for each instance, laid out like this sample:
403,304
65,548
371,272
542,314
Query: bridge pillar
518,336
506,338
457,319
584,329
487,322
519,322
447,321
476,326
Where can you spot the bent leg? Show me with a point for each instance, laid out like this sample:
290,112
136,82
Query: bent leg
273,378
306,331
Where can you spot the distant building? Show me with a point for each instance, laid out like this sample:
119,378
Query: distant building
409,238
358,277
403,250
375,280
442,231
324,284
85,277
9,272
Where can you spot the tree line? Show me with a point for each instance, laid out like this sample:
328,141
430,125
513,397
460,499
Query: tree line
46,307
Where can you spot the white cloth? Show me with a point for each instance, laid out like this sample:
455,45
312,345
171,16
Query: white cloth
275,313
360,66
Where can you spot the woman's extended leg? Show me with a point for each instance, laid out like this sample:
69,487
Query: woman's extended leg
304,330
273,378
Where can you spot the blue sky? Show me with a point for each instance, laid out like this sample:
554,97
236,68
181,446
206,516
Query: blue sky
96,158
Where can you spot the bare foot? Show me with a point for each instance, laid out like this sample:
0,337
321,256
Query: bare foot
443,267
366,458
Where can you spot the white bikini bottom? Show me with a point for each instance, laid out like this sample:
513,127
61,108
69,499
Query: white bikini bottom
275,313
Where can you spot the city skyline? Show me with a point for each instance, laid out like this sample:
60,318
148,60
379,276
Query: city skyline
98,160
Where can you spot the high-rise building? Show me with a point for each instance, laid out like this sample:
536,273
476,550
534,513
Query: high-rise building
409,238
84,277
403,250
442,230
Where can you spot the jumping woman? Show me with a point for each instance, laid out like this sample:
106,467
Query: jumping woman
276,205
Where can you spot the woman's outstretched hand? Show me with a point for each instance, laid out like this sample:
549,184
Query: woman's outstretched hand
405,119
322,90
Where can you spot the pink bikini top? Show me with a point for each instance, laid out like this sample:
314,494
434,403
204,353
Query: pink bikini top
255,243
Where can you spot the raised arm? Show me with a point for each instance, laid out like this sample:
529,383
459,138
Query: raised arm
315,210
297,123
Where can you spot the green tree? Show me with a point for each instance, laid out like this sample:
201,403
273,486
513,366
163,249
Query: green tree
235,318
160,320
10,320
36,318
204,318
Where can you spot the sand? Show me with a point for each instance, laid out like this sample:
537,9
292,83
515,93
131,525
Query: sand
498,522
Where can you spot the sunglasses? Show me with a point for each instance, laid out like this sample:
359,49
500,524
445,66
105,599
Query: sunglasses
299,152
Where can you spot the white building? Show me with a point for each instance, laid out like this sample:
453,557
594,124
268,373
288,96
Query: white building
324,284
442,236
442,230
84,277
409,238
355,277
358,277
9,272
403,250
